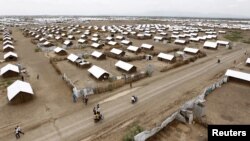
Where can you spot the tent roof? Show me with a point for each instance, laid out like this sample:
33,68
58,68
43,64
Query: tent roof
116,51
9,67
67,42
191,50
123,65
8,46
58,49
97,71
148,46
248,61
94,39
180,41
210,44
112,43
158,38
238,75
5,42
133,48
10,54
17,87
81,41
125,41
109,38
72,57
46,43
166,56
96,54
96,45
222,42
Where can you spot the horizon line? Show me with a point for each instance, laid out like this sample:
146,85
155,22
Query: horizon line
194,17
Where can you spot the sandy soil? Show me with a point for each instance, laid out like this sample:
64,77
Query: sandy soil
229,104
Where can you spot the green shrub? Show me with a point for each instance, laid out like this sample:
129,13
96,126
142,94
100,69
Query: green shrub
134,130
37,50
9,82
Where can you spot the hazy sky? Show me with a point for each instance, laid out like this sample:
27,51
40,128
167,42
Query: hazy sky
196,8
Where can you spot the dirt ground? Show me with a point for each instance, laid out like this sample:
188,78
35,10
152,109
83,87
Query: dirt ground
229,104
226,105
53,116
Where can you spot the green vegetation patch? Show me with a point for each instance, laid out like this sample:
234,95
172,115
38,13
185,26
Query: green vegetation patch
134,130
38,50
234,36
247,41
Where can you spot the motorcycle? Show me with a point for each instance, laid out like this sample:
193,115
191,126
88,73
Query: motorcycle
98,117
134,99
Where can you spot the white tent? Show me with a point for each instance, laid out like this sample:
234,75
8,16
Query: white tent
126,42
10,54
222,42
133,48
67,42
46,43
9,67
248,61
81,41
178,41
95,45
238,75
17,87
8,46
109,38
123,65
71,37
166,56
119,37
116,51
59,50
97,72
73,57
112,43
7,42
209,44
158,38
147,46
194,39
94,39
96,54
191,50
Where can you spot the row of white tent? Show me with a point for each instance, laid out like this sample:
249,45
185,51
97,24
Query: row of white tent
8,47
19,90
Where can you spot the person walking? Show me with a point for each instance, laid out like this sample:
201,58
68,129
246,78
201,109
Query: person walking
74,97
86,99
37,77
17,133
94,111
98,109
